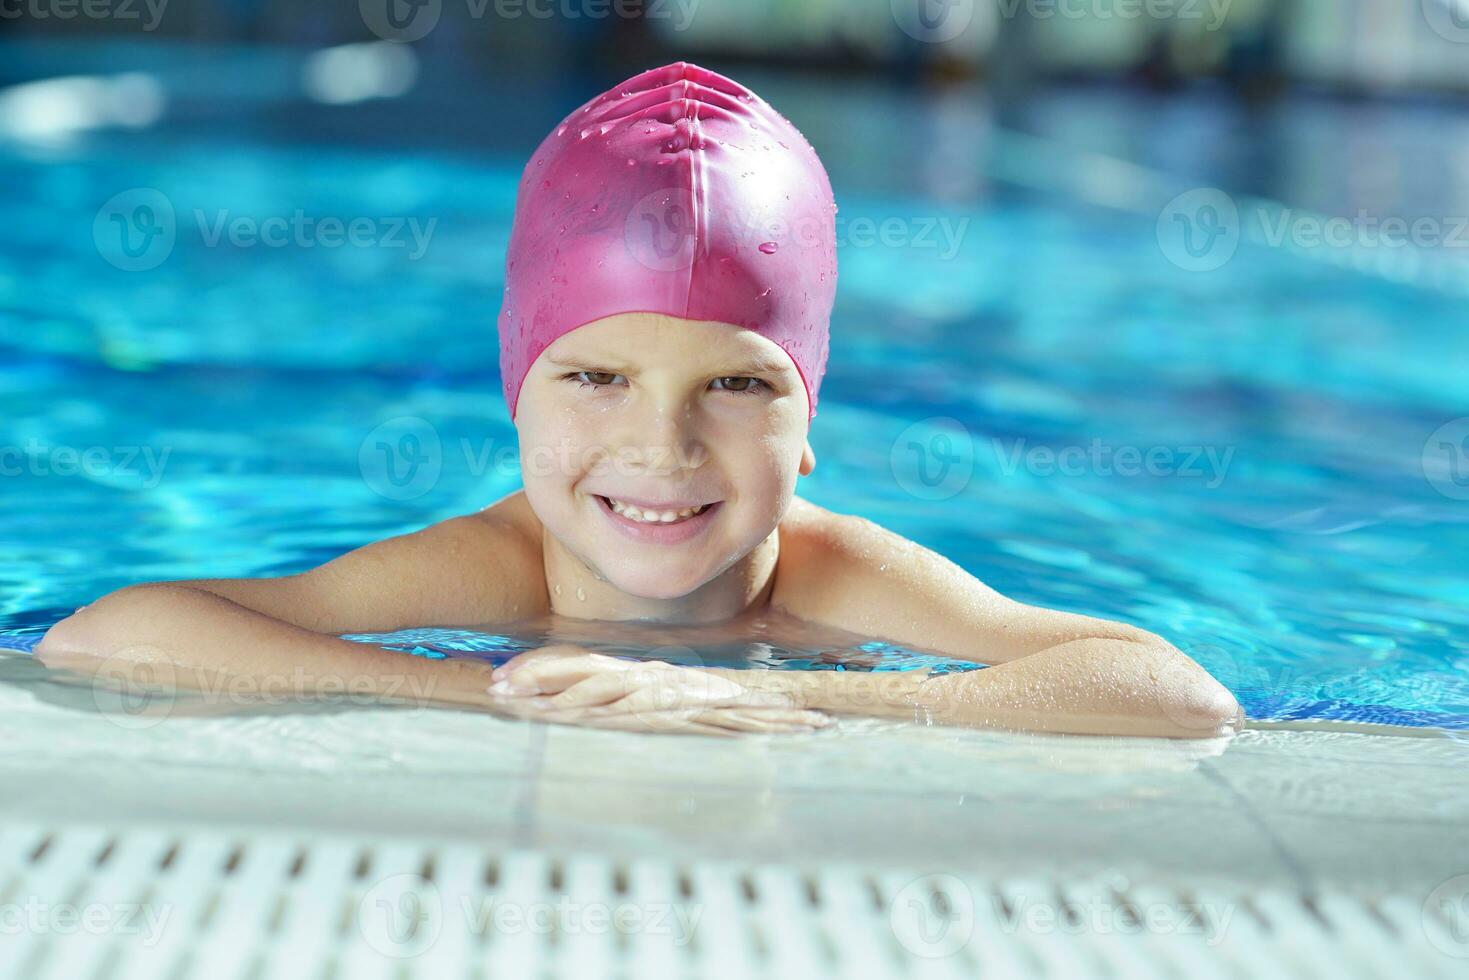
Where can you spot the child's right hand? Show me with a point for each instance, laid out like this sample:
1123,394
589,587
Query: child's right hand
572,685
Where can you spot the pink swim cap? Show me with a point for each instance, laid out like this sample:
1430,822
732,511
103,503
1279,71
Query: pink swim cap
677,192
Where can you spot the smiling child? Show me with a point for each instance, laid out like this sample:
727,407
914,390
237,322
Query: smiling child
669,286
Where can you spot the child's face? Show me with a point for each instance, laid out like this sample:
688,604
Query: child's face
658,410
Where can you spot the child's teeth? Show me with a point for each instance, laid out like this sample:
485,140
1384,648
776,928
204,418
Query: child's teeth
653,516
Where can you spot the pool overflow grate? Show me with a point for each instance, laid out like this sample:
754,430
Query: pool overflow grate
89,904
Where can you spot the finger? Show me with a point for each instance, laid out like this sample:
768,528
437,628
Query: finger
657,686
684,692
666,723
677,722
520,660
553,674
595,691
765,721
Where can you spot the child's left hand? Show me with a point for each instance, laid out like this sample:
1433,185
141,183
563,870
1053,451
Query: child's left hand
572,685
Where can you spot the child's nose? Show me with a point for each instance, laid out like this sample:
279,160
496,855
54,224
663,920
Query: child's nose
662,434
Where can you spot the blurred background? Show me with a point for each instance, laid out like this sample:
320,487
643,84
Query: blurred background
251,258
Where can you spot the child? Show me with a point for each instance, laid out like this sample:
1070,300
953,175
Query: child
669,283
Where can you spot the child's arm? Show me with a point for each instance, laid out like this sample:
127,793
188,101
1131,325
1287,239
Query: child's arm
281,632
1055,671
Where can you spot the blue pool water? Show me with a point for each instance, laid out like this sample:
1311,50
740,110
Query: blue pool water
1249,461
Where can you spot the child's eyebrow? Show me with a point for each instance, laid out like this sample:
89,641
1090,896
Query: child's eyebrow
759,365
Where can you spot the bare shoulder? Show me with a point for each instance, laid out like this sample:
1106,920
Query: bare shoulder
512,515
852,572
477,568
819,549
815,534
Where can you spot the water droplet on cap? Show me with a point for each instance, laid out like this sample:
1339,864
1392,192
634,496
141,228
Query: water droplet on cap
768,247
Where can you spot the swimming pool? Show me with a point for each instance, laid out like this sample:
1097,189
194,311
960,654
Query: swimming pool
1252,461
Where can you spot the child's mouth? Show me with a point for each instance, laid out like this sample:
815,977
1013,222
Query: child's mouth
664,526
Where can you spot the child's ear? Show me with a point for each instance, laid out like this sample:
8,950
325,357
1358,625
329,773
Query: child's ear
808,460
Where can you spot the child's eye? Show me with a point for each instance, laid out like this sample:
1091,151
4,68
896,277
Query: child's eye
595,379
740,386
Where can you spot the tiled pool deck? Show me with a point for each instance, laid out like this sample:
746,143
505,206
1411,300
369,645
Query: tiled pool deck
1309,809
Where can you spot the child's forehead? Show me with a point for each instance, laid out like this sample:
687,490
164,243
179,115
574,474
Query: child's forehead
656,338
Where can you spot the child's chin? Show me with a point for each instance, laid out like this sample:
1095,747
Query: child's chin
655,583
